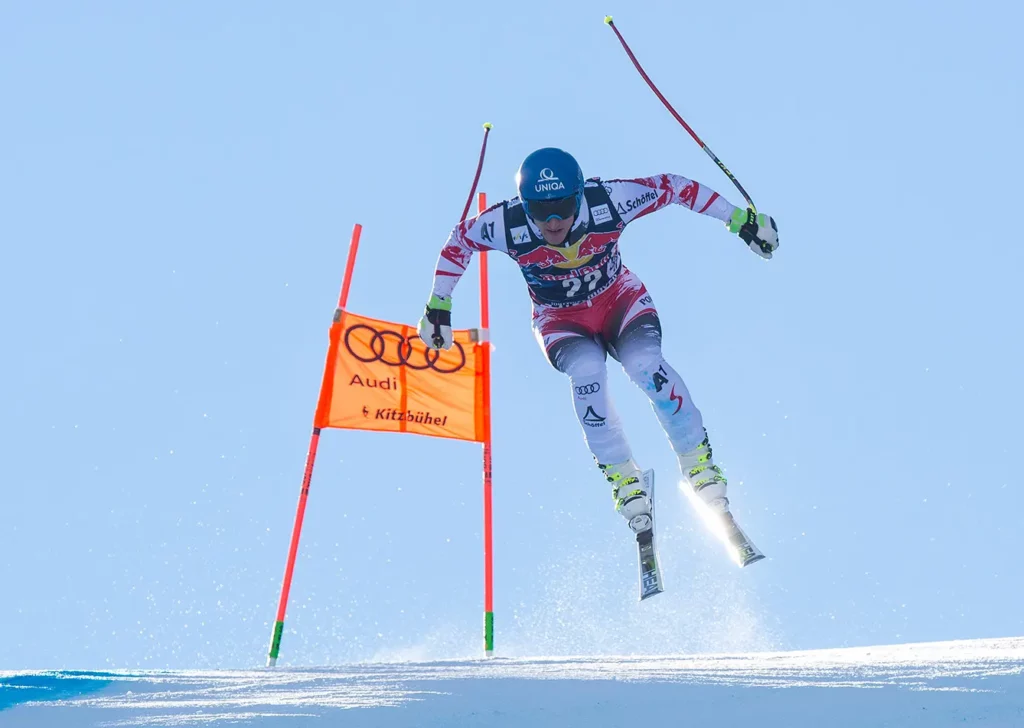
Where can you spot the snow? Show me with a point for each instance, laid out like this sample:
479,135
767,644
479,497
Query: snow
929,684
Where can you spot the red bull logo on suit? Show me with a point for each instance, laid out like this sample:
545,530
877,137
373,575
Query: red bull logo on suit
569,257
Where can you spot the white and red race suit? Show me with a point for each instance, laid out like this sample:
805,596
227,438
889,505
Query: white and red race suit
587,304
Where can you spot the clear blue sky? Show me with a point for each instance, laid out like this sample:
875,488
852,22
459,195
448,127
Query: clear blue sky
178,182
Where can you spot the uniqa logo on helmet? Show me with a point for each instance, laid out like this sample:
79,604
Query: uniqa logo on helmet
548,182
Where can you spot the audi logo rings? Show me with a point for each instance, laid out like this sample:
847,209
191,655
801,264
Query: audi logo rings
588,389
402,353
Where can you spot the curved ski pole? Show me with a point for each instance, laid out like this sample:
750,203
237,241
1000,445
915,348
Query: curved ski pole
707,150
479,166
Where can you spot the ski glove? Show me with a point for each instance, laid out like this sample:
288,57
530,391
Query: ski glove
757,230
436,324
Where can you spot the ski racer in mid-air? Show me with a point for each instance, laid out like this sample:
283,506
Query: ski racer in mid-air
564,231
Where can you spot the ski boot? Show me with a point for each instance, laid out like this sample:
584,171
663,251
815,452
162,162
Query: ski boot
707,482
631,499
633,491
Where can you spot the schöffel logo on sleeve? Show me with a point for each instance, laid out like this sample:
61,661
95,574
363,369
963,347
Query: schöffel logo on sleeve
640,201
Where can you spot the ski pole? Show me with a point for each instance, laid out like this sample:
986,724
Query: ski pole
437,339
707,150
479,166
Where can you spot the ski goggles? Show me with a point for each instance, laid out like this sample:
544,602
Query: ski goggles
543,210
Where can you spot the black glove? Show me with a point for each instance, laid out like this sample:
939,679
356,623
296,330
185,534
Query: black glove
757,230
436,324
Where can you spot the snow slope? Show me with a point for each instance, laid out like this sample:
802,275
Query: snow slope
933,684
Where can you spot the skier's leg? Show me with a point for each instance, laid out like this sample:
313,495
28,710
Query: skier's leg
583,359
635,338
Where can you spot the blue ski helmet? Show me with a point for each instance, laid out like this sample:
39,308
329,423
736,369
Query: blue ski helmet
550,184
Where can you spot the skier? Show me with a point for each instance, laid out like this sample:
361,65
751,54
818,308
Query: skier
563,231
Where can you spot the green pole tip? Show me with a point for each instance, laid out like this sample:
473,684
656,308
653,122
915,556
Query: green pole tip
488,125
608,19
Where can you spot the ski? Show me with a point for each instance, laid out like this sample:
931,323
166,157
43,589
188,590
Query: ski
744,550
647,551
740,547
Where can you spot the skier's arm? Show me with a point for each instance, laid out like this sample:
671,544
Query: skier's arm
641,196
486,231
483,232
635,198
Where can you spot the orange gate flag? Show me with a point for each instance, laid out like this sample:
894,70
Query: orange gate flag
381,376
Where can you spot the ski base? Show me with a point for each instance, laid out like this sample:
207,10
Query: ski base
647,551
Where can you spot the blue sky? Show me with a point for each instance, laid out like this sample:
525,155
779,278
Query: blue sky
178,183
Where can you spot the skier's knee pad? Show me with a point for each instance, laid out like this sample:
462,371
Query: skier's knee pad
583,374
585,365
577,356
641,365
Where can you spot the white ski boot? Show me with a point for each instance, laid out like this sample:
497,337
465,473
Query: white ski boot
632,501
633,491
707,483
